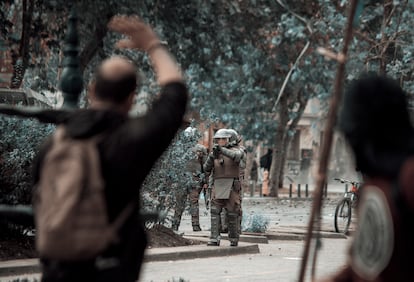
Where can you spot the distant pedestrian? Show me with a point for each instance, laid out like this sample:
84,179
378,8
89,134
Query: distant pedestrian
266,160
253,176
265,164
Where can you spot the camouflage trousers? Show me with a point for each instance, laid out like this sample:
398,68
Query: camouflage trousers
181,199
232,207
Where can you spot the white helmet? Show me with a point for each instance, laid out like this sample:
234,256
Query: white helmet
222,133
234,136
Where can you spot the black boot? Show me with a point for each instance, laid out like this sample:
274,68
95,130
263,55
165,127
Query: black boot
215,232
234,243
196,227
213,242
233,222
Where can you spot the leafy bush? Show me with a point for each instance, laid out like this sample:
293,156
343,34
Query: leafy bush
167,177
19,142
255,223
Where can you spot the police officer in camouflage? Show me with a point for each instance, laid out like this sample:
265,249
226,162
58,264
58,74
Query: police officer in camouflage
224,165
196,183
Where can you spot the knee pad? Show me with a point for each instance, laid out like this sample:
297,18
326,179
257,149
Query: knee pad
215,210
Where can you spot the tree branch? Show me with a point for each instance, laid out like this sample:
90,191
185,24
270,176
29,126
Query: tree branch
306,22
94,43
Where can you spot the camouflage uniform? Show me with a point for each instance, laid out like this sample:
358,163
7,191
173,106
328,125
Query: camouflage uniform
194,187
224,164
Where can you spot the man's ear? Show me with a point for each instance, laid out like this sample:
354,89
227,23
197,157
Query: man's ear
130,100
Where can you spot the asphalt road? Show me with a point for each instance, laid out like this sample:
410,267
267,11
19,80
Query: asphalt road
277,261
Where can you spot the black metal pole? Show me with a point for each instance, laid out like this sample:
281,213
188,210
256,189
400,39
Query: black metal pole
71,82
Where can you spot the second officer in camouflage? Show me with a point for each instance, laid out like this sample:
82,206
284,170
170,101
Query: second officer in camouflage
196,182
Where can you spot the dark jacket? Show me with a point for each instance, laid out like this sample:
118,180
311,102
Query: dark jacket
128,151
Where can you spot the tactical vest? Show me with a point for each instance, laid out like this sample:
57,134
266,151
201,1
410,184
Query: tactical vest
224,167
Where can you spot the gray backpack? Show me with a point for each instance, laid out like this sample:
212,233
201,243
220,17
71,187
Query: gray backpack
70,208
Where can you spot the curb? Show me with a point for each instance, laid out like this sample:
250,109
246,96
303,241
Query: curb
299,236
20,266
26,266
201,251
245,237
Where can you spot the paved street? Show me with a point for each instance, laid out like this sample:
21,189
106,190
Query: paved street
279,260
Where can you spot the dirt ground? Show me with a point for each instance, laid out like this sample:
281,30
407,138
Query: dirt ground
17,248
158,236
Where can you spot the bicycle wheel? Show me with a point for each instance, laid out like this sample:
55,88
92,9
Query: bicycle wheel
343,214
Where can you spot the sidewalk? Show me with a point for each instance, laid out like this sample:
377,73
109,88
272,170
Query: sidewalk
288,220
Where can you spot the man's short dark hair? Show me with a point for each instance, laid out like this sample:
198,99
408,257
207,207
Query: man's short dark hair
115,90
375,121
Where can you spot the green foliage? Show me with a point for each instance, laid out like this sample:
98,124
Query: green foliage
168,177
19,142
255,223
236,55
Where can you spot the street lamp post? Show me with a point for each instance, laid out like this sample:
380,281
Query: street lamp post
71,82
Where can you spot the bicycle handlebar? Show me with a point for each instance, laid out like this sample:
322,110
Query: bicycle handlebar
342,180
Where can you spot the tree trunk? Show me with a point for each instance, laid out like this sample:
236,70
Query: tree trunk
249,164
303,101
21,61
286,142
95,44
278,150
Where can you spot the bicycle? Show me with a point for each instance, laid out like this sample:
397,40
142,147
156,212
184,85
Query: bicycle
343,210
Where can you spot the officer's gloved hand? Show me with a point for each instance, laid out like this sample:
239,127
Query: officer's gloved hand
216,150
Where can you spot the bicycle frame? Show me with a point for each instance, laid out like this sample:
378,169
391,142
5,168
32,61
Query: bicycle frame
343,210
